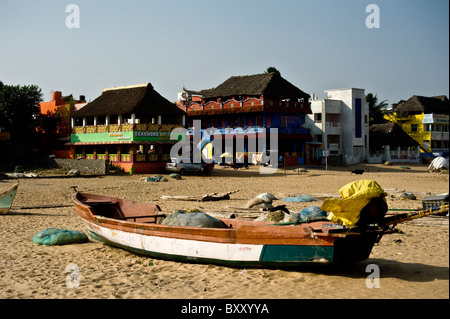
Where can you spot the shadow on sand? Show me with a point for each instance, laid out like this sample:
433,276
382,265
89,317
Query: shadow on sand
414,272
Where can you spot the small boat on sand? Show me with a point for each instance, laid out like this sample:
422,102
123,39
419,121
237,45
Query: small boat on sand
137,227
7,198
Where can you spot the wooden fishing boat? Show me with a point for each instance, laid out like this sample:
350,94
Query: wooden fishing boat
7,198
137,227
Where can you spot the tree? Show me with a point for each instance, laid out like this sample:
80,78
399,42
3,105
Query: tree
376,110
63,113
19,109
271,69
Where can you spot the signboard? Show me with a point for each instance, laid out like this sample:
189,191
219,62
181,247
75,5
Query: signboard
120,136
435,118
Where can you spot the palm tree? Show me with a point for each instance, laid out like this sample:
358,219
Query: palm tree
376,110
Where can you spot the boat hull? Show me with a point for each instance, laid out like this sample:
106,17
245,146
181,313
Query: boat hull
227,254
243,244
7,199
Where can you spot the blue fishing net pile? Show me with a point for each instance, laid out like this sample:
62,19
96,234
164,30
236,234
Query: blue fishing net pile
156,178
299,199
55,236
312,212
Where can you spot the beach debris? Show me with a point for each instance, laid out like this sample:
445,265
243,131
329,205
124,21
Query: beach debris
264,199
306,215
405,167
74,173
202,198
56,236
407,196
358,171
312,212
175,176
156,178
21,175
194,219
438,164
279,207
387,163
278,217
299,199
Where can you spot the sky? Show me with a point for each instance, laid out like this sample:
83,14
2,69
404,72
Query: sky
198,44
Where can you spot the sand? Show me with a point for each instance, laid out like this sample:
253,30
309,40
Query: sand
413,263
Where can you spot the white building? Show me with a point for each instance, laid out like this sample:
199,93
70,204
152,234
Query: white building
341,123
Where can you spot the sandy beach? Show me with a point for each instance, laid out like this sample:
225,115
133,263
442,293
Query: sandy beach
413,263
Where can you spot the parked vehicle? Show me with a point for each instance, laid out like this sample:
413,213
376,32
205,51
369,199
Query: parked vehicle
183,166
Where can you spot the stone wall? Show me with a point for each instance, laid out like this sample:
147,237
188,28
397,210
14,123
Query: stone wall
85,166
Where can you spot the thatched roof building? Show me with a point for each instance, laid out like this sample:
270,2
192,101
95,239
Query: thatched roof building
422,104
389,134
142,100
270,85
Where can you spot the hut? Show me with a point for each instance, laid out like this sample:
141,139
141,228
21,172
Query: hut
388,142
129,126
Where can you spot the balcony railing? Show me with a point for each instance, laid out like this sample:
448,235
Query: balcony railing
124,128
443,136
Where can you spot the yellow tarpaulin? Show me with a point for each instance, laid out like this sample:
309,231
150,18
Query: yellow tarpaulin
355,196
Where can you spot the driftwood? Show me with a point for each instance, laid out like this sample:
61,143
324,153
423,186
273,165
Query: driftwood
202,198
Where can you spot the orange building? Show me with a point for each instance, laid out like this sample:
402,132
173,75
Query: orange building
52,105
57,100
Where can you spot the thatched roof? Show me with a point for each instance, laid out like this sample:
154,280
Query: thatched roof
389,134
267,84
422,104
142,100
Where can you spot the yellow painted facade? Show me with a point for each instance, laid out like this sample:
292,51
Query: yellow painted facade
421,132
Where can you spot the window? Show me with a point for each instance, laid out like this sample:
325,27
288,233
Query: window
358,117
317,117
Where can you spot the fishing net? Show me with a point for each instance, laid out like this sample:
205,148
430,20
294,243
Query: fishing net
194,219
55,236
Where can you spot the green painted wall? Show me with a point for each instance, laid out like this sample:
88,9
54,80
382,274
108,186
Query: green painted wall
134,136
